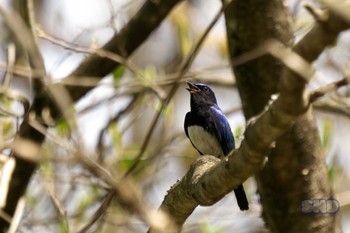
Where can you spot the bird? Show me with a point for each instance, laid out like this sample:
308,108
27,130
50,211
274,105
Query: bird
208,130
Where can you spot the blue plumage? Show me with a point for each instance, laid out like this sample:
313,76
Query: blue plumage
208,129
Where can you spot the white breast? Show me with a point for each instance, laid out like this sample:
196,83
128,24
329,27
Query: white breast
204,142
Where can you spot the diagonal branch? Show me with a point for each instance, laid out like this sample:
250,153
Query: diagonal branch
315,95
134,33
21,26
209,179
183,70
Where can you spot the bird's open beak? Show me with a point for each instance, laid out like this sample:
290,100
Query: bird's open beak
192,88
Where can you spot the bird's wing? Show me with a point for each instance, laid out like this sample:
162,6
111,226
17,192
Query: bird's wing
189,122
222,130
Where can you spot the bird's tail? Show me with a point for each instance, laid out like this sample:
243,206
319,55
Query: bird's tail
241,198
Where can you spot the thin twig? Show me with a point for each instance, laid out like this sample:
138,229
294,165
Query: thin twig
100,212
86,50
116,118
58,205
185,67
11,59
332,106
315,95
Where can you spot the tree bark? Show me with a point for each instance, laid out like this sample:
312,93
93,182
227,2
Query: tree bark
296,169
287,121
249,24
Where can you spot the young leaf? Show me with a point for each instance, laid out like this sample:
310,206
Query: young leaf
118,72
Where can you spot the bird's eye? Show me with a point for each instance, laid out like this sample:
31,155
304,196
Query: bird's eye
205,88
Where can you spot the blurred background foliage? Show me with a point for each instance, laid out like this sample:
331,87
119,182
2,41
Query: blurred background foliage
113,118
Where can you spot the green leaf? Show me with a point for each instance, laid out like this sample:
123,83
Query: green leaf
46,168
116,136
158,106
238,131
88,199
118,72
8,127
64,226
205,228
62,127
181,23
5,101
31,200
148,74
331,172
327,133
334,171
125,163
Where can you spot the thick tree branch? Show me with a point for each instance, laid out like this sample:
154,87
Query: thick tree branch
296,169
24,168
134,33
209,179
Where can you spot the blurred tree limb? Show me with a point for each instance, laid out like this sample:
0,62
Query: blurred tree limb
27,46
123,43
165,101
333,106
287,121
134,33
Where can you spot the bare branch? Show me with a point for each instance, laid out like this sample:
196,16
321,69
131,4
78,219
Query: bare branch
128,195
101,211
328,88
332,106
24,168
209,179
124,43
183,70
86,50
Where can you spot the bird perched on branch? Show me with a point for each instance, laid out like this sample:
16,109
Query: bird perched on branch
209,131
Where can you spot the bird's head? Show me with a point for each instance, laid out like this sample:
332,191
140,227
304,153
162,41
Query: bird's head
201,94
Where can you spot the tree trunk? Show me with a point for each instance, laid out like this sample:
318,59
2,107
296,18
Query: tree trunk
295,170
